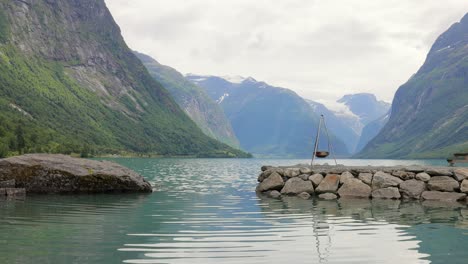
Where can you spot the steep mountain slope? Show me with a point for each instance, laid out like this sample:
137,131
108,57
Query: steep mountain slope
69,83
336,125
430,112
371,130
196,103
267,120
365,106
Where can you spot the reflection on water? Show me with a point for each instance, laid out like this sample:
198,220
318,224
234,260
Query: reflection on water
207,212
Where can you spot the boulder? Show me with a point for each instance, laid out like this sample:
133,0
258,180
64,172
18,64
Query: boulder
443,196
275,194
304,195
304,177
296,186
345,177
460,174
404,175
386,193
422,176
443,183
439,172
305,170
366,177
8,184
292,172
329,184
273,182
464,186
45,173
266,167
412,189
384,180
263,175
13,192
316,179
355,188
328,196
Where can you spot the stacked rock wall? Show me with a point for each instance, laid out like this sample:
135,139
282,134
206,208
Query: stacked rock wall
425,183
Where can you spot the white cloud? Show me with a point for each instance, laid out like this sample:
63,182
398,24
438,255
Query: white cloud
321,49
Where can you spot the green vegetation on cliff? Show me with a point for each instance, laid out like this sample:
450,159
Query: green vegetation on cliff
430,112
69,83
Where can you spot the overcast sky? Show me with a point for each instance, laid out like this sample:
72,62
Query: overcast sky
322,49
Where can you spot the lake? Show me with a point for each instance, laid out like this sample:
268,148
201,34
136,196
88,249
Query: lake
206,211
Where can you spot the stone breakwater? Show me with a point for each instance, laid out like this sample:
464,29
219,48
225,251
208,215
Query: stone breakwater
445,184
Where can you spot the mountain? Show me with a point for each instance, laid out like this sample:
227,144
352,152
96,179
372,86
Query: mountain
69,83
196,103
349,116
430,112
267,120
336,125
371,130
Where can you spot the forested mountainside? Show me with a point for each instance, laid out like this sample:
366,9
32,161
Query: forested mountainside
196,103
267,120
69,83
429,115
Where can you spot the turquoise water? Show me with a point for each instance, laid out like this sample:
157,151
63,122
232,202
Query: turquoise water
206,211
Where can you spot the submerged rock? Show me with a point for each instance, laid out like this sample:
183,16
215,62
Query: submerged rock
45,173
328,196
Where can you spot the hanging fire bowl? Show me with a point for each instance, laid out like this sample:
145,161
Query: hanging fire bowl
322,154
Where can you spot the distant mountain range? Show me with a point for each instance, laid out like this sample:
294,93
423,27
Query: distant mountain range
267,120
429,117
196,103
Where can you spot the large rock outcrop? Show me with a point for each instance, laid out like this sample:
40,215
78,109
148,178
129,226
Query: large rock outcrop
45,173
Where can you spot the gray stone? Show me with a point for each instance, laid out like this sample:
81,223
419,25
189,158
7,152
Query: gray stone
264,168
316,179
15,192
292,172
443,183
296,186
8,184
412,189
273,182
328,196
443,196
384,180
305,170
386,193
345,177
264,175
439,172
355,188
329,184
366,177
460,174
45,173
415,169
304,177
404,175
304,195
464,186
423,177
275,194
2,192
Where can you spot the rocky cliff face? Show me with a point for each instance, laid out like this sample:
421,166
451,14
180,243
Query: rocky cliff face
267,120
67,79
196,103
430,112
